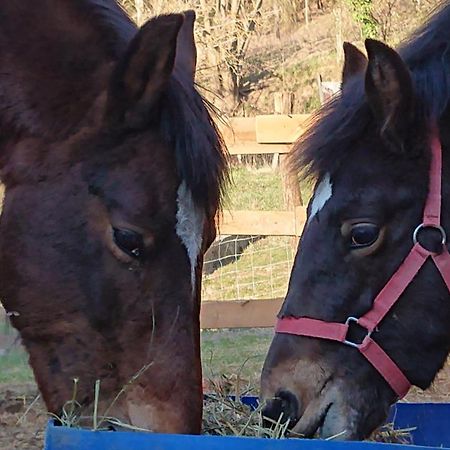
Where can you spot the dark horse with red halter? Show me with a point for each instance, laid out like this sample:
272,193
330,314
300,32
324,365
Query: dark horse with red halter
113,171
367,312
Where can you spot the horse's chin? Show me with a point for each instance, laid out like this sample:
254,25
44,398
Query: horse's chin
336,426
332,416
328,422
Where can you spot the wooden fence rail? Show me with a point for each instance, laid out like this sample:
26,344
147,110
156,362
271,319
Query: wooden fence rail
267,134
239,313
263,223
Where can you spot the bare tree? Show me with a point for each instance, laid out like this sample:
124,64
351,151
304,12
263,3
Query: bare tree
383,12
226,28
223,31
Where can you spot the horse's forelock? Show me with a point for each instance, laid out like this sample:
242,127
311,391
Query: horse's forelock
331,133
200,152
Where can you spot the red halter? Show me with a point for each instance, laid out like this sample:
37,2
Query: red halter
391,292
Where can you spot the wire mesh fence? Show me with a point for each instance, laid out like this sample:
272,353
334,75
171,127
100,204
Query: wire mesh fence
248,267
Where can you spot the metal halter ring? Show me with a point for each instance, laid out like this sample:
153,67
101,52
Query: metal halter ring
436,227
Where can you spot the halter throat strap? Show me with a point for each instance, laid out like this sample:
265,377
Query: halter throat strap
391,292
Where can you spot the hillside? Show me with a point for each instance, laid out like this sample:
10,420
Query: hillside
250,49
293,61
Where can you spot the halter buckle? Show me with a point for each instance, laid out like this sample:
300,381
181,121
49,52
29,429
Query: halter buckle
351,343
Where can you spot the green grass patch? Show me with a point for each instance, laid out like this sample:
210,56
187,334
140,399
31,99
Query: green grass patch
259,189
14,367
254,189
235,352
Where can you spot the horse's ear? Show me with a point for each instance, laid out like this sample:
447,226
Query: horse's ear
355,63
142,74
389,90
186,56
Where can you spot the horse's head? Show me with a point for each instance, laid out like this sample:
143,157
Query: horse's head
371,152
103,233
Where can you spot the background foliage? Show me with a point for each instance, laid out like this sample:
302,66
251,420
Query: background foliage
250,49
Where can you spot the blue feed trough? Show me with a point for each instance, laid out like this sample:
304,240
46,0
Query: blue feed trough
430,420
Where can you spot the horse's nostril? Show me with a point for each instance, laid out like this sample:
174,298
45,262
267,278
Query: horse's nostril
289,405
284,403
271,411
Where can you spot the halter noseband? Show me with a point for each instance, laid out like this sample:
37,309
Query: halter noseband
391,292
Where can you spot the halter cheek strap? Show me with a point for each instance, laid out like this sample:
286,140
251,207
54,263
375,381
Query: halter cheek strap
391,292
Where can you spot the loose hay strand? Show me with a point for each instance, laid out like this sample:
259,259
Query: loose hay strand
30,407
389,435
69,416
96,397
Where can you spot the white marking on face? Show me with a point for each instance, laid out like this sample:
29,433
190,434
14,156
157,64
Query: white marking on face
322,194
189,226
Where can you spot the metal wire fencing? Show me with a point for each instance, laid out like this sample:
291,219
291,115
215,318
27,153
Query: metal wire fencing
248,267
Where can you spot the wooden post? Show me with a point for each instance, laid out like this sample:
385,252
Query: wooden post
291,188
275,161
319,88
283,104
337,11
292,197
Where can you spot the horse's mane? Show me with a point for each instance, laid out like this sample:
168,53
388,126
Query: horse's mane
335,128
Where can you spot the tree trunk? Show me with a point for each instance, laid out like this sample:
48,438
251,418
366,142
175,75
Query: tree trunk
230,89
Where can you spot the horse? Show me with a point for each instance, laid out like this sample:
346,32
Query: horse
113,172
367,310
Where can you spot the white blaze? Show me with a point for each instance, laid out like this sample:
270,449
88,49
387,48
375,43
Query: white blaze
189,226
322,194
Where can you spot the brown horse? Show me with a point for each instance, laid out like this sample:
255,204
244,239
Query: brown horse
367,311
113,172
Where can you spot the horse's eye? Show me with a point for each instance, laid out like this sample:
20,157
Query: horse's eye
130,242
364,235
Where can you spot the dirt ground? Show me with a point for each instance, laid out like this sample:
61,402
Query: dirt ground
23,418
21,427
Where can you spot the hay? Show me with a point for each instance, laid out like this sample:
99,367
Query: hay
224,416
228,416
